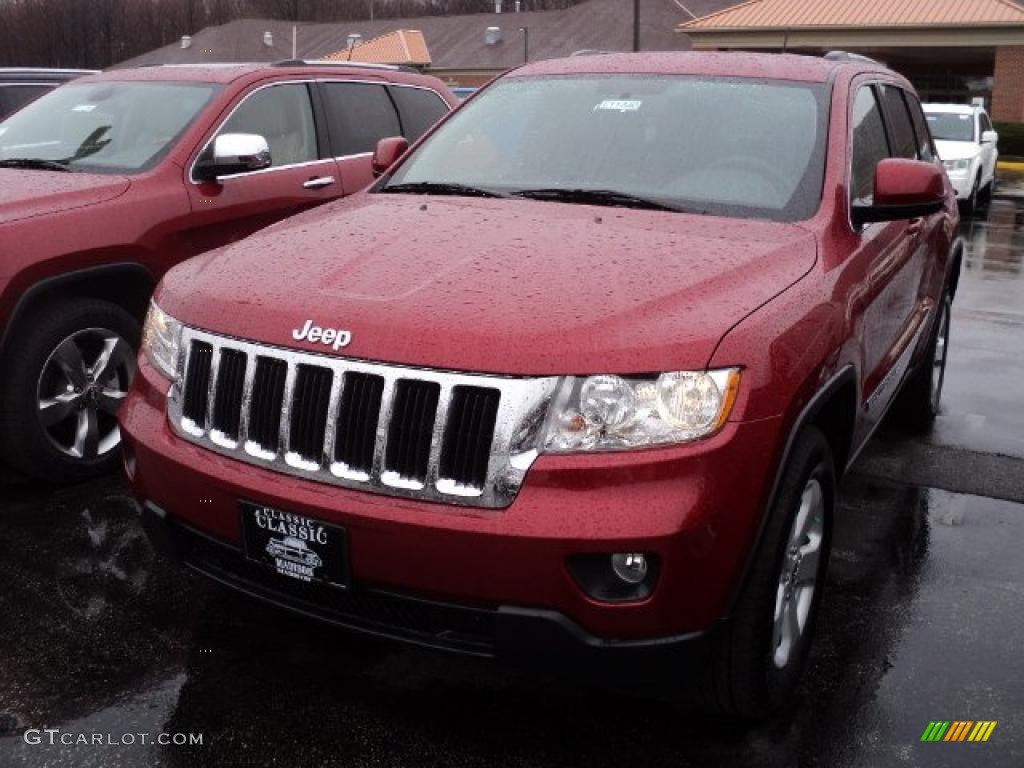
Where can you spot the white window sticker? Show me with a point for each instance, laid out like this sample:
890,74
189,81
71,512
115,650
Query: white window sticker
616,105
84,108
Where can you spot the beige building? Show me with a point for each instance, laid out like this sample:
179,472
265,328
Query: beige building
952,50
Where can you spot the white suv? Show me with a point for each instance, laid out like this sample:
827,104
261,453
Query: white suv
967,145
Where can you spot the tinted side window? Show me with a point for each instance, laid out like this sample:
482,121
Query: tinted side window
869,144
13,97
419,108
283,115
904,142
360,115
924,135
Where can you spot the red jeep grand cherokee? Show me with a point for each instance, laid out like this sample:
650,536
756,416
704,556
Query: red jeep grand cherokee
578,375
107,182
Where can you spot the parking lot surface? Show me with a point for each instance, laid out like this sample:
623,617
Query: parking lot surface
922,622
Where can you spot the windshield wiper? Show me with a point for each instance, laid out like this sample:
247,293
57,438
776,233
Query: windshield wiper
441,188
600,197
36,163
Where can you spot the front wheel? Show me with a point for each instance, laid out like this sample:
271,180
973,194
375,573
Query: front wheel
759,654
69,369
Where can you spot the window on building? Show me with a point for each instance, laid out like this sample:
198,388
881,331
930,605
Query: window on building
869,144
360,115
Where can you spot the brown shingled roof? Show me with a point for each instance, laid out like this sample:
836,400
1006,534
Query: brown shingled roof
455,42
790,14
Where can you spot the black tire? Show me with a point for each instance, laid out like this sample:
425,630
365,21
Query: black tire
743,678
917,404
35,363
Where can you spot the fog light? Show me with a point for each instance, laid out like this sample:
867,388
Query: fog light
631,567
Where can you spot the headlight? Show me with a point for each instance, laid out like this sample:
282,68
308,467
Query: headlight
613,413
161,340
956,166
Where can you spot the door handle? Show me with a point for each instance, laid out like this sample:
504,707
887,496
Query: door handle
319,182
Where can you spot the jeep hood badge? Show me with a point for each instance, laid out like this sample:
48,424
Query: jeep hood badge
329,337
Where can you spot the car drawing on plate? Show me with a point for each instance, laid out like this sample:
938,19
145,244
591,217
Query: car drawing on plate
294,550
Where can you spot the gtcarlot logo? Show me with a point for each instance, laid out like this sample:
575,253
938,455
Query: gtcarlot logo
54,736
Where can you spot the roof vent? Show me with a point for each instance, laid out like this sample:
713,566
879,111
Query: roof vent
497,6
492,36
186,41
519,6
268,39
354,39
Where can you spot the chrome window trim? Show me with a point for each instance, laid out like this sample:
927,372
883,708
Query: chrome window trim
522,409
385,83
854,90
192,168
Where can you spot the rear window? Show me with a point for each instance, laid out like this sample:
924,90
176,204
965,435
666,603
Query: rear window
360,115
420,109
14,97
904,142
951,126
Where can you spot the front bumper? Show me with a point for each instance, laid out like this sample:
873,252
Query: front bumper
526,635
696,507
963,184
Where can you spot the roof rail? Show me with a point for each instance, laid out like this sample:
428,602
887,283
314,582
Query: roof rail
847,56
336,63
590,52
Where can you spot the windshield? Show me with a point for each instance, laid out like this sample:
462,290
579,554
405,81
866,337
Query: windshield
951,126
722,146
103,127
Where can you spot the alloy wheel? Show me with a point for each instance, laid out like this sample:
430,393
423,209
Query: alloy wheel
81,387
939,358
798,579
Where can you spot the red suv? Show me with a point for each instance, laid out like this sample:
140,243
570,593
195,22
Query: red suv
107,182
577,377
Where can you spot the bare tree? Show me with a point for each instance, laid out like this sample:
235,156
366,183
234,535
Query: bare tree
98,33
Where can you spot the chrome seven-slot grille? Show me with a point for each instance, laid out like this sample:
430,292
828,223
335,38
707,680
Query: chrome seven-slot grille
416,433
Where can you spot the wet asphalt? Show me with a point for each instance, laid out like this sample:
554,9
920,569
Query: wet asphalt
924,620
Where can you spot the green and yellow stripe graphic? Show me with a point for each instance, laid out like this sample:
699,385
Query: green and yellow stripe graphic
958,730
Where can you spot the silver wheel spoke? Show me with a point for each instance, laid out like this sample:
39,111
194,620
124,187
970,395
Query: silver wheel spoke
109,400
68,358
55,410
87,438
792,627
116,353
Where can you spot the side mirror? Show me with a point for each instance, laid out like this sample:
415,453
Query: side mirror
233,153
989,137
387,154
904,189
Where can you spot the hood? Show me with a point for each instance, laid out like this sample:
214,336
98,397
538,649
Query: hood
957,150
495,285
27,193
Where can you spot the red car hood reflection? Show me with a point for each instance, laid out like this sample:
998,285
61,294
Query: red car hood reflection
495,285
